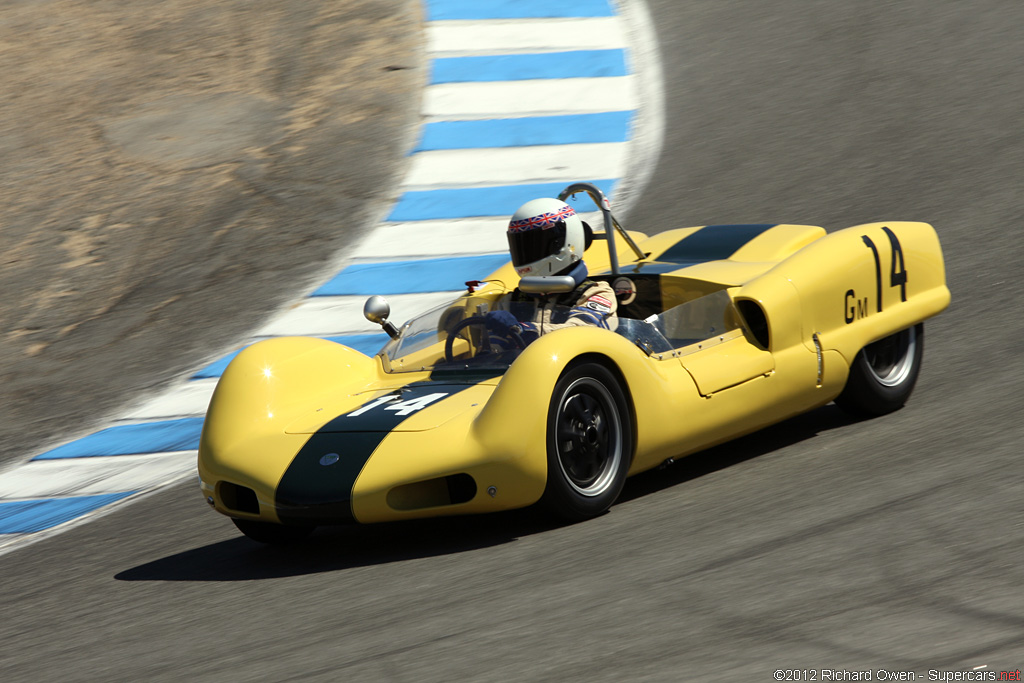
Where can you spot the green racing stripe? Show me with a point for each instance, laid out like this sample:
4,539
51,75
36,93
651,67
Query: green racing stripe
317,486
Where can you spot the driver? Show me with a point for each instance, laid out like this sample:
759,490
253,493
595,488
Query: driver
546,237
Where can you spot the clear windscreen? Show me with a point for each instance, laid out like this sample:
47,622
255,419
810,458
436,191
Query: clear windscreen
454,336
687,327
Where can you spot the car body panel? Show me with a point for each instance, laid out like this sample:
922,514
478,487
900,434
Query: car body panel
733,362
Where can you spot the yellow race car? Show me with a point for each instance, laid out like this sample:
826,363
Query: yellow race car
721,331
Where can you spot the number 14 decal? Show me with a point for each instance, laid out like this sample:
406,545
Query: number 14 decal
402,408
897,274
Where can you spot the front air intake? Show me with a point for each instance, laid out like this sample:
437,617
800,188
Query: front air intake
238,498
451,490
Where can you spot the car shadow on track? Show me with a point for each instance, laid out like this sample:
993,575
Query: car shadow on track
339,548
773,438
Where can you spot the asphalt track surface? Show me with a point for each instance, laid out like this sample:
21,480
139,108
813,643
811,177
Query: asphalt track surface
822,543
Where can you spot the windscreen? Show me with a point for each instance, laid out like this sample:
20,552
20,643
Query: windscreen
454,337
688,327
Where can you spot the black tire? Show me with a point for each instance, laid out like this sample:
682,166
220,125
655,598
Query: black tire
884,374
590,443
272,534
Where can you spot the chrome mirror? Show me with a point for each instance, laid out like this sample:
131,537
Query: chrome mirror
376,310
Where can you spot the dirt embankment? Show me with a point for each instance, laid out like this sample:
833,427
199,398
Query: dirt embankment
174,171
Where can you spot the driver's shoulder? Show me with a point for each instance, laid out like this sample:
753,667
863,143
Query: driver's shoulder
596,291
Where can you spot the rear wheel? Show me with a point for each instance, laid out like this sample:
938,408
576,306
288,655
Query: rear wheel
883,374
273,534
590,439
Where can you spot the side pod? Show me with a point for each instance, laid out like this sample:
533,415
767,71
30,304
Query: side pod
867,282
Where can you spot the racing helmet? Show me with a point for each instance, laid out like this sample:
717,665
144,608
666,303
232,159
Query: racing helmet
545,236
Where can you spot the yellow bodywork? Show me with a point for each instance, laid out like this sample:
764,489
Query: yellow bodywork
805,304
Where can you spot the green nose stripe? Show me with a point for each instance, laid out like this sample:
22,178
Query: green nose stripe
317,486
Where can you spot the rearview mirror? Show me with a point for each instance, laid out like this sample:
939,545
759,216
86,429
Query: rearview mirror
376,310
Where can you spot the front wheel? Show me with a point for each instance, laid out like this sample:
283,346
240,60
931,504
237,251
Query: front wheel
589,445
883,374
272,534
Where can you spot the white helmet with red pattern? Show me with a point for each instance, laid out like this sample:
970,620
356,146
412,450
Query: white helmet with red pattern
545,237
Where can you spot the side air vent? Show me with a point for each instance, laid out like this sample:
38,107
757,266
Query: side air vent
451,490
757,323
238,498
817,351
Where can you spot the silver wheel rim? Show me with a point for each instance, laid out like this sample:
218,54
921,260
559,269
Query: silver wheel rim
890,360
588,437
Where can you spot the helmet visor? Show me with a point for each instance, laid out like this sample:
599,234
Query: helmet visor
533,245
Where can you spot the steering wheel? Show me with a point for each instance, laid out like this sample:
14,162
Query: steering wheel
480,320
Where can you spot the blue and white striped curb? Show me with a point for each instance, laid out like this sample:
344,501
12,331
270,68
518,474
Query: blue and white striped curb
523,98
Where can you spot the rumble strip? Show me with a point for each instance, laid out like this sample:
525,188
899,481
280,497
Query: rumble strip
523,98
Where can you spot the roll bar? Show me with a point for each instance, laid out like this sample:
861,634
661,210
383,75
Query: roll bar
610,224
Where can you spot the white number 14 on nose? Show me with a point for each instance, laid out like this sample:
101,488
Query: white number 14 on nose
402,408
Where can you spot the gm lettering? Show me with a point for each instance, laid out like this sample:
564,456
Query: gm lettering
854,307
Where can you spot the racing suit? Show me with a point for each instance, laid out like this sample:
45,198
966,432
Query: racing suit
591,303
